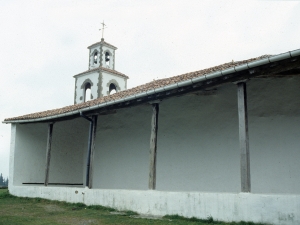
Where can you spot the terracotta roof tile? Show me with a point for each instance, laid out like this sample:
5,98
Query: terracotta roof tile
129,92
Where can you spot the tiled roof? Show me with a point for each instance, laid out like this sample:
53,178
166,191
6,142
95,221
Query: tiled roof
115,72
105,69
132,91
110,45
103,42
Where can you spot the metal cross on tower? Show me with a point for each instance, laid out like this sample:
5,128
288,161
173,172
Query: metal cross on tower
103,27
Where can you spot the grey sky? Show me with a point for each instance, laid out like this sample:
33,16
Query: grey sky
44,43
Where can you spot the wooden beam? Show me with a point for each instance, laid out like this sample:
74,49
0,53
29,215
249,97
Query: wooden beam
94,131
243,137
48,153
153,147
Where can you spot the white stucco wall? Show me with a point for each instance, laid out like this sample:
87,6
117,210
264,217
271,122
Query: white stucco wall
274,134
198,147
93,76
12,151
198,143
69,143
30,153
107,77
121,158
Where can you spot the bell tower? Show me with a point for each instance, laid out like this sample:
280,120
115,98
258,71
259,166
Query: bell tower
102,54
101,78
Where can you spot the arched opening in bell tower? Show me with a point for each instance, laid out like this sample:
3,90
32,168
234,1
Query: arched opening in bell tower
112,89
95,57
107,58
87,92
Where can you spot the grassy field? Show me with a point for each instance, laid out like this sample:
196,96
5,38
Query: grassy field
33,211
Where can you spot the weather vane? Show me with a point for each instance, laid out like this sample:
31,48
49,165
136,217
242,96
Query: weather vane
103,27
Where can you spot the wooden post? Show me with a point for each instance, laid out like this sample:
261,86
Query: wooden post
94,118
244,139
153,147
48,153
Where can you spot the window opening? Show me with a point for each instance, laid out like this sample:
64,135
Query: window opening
112,89
107,58
87,92
95,57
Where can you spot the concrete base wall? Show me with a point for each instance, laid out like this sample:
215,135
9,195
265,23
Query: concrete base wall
272,209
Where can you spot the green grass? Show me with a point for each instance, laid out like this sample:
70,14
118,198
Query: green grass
37,211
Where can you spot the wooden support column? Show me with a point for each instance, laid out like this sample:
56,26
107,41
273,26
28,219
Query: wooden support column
153,147
48,153
244,139
94,130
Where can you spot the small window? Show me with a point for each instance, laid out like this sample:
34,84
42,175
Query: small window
112,89
96,58
87,92
107,58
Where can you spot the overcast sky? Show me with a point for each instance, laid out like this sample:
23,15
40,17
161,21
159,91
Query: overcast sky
44,43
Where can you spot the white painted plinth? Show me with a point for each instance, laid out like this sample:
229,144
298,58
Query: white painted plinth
273,209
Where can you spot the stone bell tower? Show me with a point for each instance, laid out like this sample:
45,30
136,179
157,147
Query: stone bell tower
101,78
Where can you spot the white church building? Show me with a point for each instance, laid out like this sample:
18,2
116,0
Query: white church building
221,142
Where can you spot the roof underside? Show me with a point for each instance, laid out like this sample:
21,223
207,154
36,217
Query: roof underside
266,65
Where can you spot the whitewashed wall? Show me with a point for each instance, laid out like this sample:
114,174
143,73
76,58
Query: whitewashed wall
30,153
187,157
198,143
198,147
94,76
69,143
107,77
121,159
274,134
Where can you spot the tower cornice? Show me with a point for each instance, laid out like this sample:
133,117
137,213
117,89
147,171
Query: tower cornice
102,69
